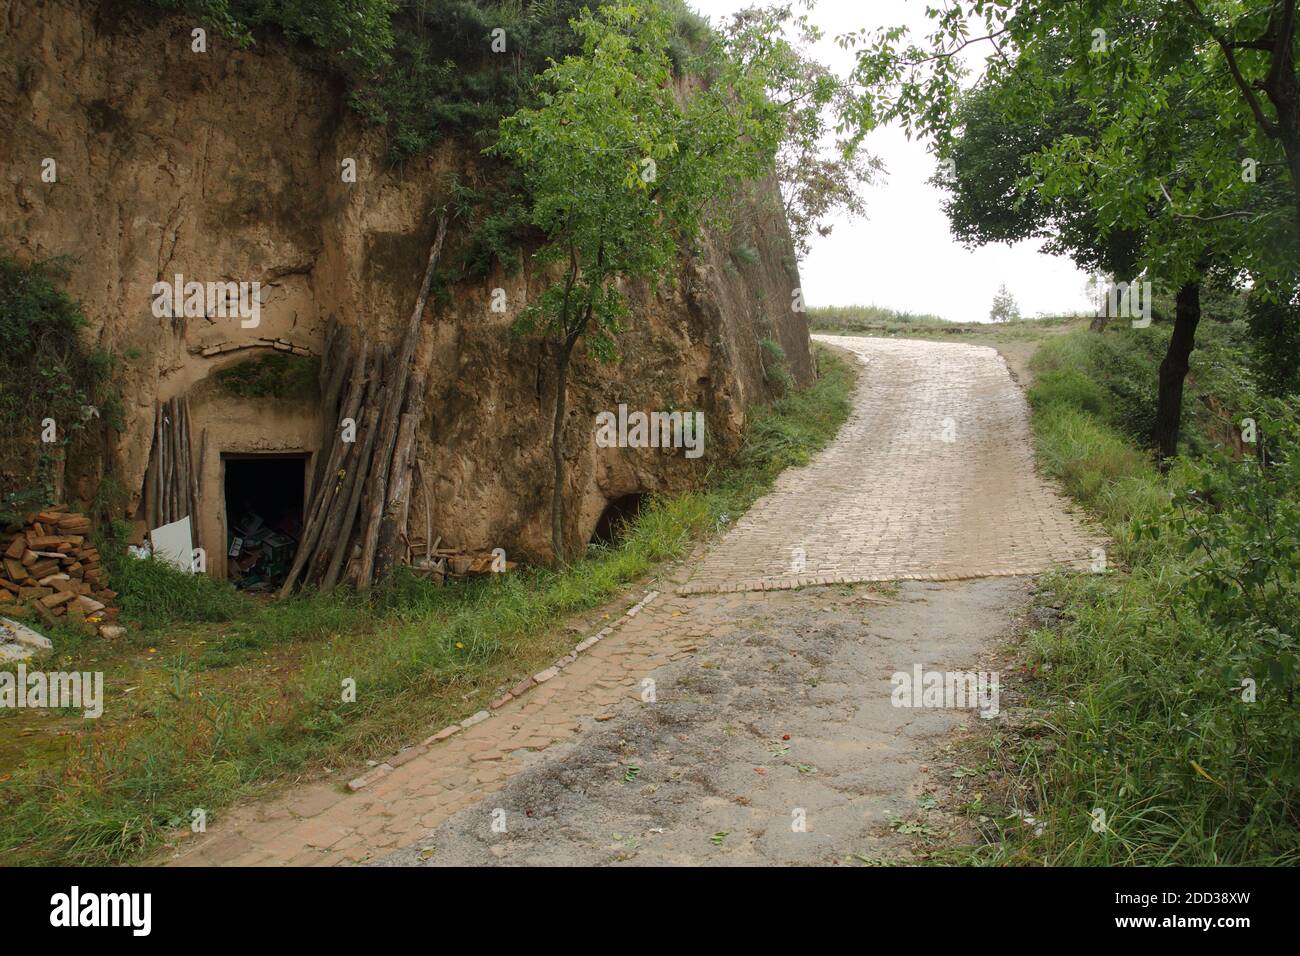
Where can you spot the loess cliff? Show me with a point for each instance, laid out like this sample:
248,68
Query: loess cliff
226,166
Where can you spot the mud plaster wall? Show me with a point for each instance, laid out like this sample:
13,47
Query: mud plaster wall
223,425
225,166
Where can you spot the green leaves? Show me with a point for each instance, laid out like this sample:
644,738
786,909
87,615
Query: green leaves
1136,144
623,166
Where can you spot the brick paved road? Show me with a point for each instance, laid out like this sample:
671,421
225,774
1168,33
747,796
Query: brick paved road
931,478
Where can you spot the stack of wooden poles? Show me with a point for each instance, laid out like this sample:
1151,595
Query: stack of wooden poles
171,485
359,500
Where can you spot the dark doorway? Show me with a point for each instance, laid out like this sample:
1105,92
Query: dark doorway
264,505
615,518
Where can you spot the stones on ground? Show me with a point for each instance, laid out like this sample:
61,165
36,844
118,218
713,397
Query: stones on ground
522,686
443,734
405,756
366,779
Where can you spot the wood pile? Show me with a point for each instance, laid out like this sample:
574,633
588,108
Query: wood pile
359,499
438,563
171,483
49,563
463,563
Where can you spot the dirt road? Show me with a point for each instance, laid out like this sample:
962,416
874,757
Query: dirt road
742,713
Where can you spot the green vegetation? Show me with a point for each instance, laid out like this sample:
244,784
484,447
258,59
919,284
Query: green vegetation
746,254
356,33
776,367
1165,695
1112,376
865,318
1004,307
153,594
272,375
878,321
1046,146
46,372
428,69
235,706
622,177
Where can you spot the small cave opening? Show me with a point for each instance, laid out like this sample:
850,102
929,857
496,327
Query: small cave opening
614,520
264,497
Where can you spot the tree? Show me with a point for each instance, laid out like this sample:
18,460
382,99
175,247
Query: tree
1001,126
820,167
622,172
1175,142
1004,308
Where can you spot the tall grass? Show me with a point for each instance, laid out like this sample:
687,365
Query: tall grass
1145,750
419,656
153,593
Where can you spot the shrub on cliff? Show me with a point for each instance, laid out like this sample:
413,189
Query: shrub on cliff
52,384
622,175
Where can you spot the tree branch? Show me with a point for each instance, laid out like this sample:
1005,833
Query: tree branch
1235,214
1268,126
949,54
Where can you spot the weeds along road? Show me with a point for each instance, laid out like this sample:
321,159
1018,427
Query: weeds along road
744,715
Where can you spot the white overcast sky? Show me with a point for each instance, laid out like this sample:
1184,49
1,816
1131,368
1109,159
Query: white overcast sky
902,254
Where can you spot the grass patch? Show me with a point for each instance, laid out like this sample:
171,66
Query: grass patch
1112,376
1164,728
153,594
234,706
874,320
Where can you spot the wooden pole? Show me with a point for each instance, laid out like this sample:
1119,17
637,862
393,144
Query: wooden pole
338,521
391,418
329,484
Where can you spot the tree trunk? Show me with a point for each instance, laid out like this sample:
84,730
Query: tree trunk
1283,89
557,451
1173,370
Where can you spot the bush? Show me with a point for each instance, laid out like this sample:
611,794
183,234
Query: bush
776,368
1240,528
271,375
1276,352
46,371
358,33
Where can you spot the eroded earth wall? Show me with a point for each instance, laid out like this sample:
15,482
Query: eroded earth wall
226,166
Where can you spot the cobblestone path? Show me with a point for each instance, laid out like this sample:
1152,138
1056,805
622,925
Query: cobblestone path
768,704
932,478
